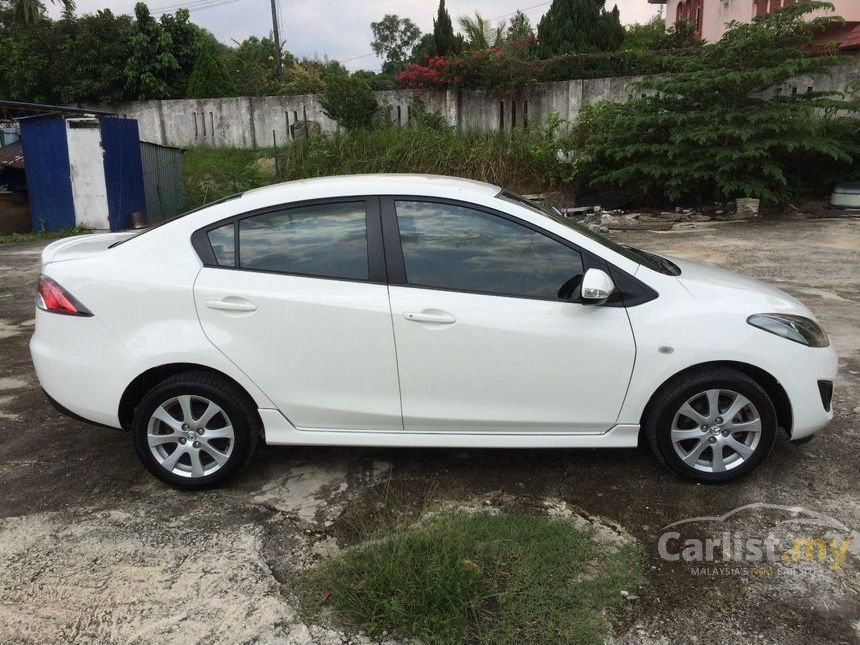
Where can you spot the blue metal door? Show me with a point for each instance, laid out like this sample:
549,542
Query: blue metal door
123,170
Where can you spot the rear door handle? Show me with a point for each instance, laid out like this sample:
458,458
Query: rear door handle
234,304
438,318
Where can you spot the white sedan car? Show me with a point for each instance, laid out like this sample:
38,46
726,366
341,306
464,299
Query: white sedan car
403,310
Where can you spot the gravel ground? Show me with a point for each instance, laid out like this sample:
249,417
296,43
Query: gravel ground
94,549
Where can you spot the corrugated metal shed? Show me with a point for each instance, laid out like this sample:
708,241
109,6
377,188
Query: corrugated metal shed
82,169
49,185
123,170
162,180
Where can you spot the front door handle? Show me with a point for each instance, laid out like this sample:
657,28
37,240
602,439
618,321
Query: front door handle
440,318
232,305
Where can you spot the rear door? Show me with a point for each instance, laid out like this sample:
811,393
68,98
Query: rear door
296,297
488,339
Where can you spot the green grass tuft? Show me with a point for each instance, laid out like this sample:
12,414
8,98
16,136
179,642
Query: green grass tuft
479,578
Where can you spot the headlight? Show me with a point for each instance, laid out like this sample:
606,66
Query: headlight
797,328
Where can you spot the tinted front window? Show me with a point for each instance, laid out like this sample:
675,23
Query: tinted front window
627,251
326,240
459,248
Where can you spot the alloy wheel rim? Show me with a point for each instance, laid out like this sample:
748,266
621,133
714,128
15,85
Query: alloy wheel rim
716,430
190,436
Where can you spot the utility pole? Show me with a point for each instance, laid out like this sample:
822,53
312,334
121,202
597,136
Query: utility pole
276,35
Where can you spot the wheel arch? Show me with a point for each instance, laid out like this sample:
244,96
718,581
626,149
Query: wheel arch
767,381
144,382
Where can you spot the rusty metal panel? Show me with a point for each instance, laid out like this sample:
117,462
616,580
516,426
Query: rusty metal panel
162,180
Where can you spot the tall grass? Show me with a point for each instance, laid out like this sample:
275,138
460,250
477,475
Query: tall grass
523,160
212,173
520,160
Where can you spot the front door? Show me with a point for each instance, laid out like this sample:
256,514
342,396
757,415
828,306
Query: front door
300,305
485,342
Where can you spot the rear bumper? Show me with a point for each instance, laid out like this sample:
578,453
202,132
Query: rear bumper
810,412
77,417
81,366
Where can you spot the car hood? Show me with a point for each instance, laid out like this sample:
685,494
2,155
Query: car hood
727,290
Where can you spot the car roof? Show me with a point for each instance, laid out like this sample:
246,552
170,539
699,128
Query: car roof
371,184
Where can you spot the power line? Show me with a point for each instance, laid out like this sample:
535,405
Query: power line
534,6
194,5
346,60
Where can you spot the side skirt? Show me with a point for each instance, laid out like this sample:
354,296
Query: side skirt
280,432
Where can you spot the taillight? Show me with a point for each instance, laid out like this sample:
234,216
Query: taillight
52,297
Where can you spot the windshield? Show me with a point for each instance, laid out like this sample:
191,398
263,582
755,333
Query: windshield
650,260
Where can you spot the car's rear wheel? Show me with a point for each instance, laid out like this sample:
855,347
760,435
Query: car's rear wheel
195,430
712,426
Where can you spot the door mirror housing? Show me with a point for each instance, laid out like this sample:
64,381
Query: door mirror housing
597,286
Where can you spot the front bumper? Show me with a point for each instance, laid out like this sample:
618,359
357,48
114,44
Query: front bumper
801,382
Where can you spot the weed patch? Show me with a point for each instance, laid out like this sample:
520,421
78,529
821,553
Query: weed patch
478,577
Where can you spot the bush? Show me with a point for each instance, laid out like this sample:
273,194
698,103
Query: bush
302,79
712,131
502,70
349,101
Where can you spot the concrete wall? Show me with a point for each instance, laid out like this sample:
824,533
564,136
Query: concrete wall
256,122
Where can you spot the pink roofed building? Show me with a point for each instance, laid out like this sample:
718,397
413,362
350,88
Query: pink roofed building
711,16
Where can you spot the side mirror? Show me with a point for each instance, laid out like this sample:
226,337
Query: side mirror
597,286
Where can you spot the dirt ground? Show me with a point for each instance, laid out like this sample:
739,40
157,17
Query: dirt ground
92,548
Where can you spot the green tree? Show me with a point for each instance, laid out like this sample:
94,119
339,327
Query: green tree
151,63
29,11
520,27
93,50
254,68
579,26
423,49
30,71
349,101
480,33
185,40
445,42
394,38
645,36
210,77
716,129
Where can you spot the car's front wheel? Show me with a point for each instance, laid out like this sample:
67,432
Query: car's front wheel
712,426
194,430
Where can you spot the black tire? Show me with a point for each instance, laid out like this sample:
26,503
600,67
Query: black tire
668,401
239,413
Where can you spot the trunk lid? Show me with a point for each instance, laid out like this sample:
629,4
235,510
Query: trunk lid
81,246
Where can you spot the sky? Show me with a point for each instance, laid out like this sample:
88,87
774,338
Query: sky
337,28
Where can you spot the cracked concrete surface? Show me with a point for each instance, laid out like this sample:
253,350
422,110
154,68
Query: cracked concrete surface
92,549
